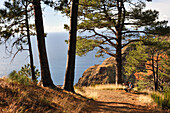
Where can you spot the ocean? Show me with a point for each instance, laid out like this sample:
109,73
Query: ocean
57,57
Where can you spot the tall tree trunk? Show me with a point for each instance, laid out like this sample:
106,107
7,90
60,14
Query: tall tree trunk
70,68
45,71
119,28
118,79
29,44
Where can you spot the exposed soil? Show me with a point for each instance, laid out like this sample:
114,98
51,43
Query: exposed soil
119,101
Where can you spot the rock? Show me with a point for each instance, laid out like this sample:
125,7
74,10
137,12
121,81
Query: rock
104,73
110,60
99,74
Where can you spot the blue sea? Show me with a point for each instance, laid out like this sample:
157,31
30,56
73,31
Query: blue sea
57,56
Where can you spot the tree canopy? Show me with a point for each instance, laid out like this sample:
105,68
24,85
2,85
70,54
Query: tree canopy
112,25
149,57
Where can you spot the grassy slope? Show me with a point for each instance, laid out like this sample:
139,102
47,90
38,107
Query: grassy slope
15,98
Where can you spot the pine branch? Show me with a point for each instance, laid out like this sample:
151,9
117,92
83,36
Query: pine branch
105,37
104,50
130,42
134,32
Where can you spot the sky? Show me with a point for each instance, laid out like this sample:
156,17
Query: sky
54,21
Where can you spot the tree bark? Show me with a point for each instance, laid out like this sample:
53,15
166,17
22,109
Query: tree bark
45,71
29,44
70,68
157,69
118,79
119,27
154,74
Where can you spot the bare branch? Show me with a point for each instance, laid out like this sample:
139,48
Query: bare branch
130,42
15,23
109,19
14,55
135,32
105,37
18,39
104,50
134,24
18,52
113,31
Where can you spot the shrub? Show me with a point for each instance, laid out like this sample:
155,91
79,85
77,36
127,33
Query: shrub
162,100
26,71
16,77
145,84
24,75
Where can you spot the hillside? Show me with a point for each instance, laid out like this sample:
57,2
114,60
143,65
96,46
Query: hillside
17,98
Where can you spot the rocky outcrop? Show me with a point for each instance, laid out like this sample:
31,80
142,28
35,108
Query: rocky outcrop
99,74
102,74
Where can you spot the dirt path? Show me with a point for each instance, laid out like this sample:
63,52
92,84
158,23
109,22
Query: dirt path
118,101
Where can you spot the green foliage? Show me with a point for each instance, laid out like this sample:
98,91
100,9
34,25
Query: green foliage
157,43
162,100
146,84
26,71
165,65
159,28
85,45
16,77
100,18
13,25
160,46
136,58
156,49
23,76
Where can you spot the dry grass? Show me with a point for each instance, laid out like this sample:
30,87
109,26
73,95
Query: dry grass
145,99
87,93
90,93
17,98
107,87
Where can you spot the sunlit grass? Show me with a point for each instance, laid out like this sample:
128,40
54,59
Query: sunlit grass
107,87
145,99
87,93
162,99
92,94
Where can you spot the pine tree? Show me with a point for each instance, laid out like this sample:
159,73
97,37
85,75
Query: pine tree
45,71
112,25
69,76
152,52
14,21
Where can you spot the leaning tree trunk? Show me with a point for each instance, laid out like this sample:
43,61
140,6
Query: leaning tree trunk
70,68
45,71
29,45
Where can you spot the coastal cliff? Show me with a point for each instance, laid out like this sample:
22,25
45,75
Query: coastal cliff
99,74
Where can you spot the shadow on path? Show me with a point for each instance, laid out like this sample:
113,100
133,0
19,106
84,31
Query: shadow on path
120,107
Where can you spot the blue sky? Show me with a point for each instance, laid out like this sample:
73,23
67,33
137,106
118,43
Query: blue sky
54,21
